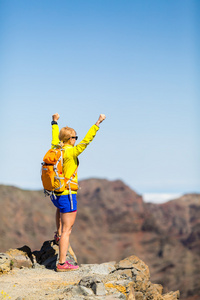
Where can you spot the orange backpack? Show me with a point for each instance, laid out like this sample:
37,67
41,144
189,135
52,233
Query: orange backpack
52,176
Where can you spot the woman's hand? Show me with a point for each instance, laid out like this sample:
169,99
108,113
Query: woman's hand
55,117
101,119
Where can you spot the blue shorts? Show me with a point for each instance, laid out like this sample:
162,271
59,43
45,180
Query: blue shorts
63,202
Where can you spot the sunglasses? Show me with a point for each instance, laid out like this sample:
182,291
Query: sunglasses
74,137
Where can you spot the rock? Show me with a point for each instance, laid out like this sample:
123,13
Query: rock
85,291
88,281
74,292
155,291
26,250
117,286
141,285
101,269
5,263
137,265
38,266
99,289
131,292
139,296
115,296
172,296
20,258
158,287
124,273
48,255
93,283
138,270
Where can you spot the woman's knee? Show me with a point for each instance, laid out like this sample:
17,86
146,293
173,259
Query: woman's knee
67,221
67,230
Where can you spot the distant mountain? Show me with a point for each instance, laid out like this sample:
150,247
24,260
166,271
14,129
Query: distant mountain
112,223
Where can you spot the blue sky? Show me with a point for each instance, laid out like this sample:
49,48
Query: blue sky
135,61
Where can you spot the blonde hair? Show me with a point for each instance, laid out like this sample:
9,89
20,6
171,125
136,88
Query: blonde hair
66,133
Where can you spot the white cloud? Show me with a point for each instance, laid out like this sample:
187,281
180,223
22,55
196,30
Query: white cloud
159,198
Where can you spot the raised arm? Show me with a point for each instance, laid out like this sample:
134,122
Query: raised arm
100,119
79,148
55,130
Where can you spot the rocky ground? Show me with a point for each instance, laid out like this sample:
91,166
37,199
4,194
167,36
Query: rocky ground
27,275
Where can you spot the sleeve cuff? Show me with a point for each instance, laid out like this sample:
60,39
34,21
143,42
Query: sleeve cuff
54,122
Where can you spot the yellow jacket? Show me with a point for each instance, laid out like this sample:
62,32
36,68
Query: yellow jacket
70,161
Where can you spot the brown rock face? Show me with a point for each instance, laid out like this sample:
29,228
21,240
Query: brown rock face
114,212
121,208
177,246
112,223
26,218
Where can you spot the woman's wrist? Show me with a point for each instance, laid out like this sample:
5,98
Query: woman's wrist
97,123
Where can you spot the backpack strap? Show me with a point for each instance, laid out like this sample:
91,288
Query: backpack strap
74,173
69,181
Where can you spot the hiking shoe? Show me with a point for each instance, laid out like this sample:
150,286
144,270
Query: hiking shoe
66,267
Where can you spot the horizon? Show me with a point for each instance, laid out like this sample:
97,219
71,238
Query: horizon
156,198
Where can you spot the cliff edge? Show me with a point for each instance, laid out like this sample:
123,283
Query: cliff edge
31,275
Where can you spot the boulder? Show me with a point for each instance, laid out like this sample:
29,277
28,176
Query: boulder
138,267
134,267
5,263
21,257
48,255
171,296
154,291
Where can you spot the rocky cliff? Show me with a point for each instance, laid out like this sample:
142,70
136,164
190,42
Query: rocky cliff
112,223
30,275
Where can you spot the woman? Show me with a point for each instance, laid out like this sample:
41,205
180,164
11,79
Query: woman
66,202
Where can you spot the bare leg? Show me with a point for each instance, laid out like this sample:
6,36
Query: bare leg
58,221
67,220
